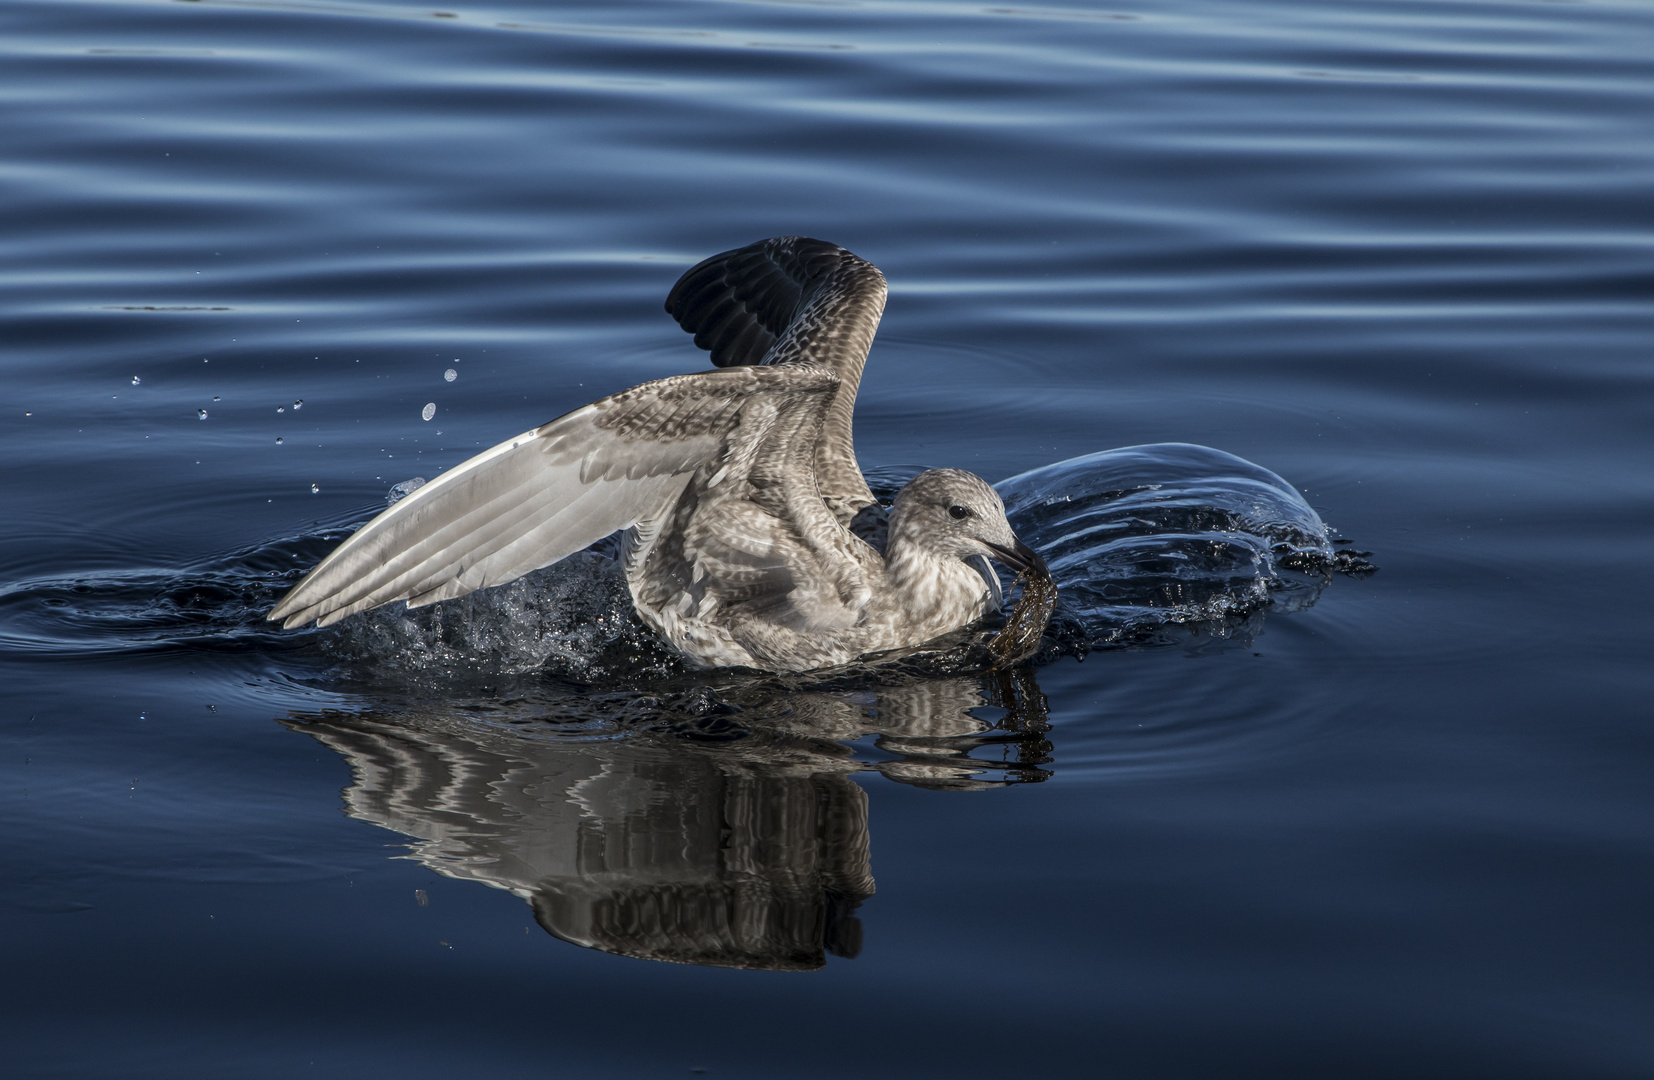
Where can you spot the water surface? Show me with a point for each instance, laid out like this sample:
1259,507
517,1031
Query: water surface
1397,255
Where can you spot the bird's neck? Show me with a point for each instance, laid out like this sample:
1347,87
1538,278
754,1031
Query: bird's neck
934,593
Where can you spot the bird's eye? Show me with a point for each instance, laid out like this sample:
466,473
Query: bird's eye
958,512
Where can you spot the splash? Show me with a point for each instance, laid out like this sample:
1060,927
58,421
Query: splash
1148,543
573,620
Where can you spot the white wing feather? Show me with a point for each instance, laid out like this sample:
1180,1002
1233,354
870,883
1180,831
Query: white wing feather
535,499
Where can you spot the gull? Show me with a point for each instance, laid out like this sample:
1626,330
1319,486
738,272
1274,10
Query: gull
747,520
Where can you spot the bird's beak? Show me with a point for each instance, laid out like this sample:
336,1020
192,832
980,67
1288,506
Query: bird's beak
1020,557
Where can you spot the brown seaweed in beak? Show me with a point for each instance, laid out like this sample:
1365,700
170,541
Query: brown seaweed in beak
1025,627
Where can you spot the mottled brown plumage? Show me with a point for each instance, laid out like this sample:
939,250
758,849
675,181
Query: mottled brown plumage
792,300
735,488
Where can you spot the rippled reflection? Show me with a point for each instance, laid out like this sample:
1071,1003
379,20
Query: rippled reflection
707,825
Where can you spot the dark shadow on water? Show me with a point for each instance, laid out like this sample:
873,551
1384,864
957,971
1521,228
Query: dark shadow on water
710,824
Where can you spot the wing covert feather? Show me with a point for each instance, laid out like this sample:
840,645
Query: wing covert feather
752,548
793,300
546,494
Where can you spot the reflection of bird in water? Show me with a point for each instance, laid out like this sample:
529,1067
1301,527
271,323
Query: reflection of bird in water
748,852
627,847
744,506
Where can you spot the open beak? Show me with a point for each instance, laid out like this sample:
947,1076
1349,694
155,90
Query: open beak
1020,558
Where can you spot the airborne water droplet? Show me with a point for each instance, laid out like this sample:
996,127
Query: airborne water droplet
404,489
278,440
136,380
299,404
428,411
314,490
447,376
200,414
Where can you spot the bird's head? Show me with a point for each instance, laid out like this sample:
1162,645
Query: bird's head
953,512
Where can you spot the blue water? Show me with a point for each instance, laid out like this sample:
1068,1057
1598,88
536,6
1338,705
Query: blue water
1240,819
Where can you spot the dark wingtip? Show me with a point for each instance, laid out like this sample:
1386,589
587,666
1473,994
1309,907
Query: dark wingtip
738,302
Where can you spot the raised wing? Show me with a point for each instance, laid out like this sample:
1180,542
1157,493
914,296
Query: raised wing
550,492
788,300
782,300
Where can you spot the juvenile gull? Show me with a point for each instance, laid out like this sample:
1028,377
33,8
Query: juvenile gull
737,489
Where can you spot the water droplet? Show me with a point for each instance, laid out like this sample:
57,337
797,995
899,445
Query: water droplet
278,440
404,489
314,490
215,397
447,376
428,411
200,414
281,408
136,380
299,404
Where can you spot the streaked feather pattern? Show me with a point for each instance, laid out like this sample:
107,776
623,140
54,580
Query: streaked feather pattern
735,488
552,491
788,300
